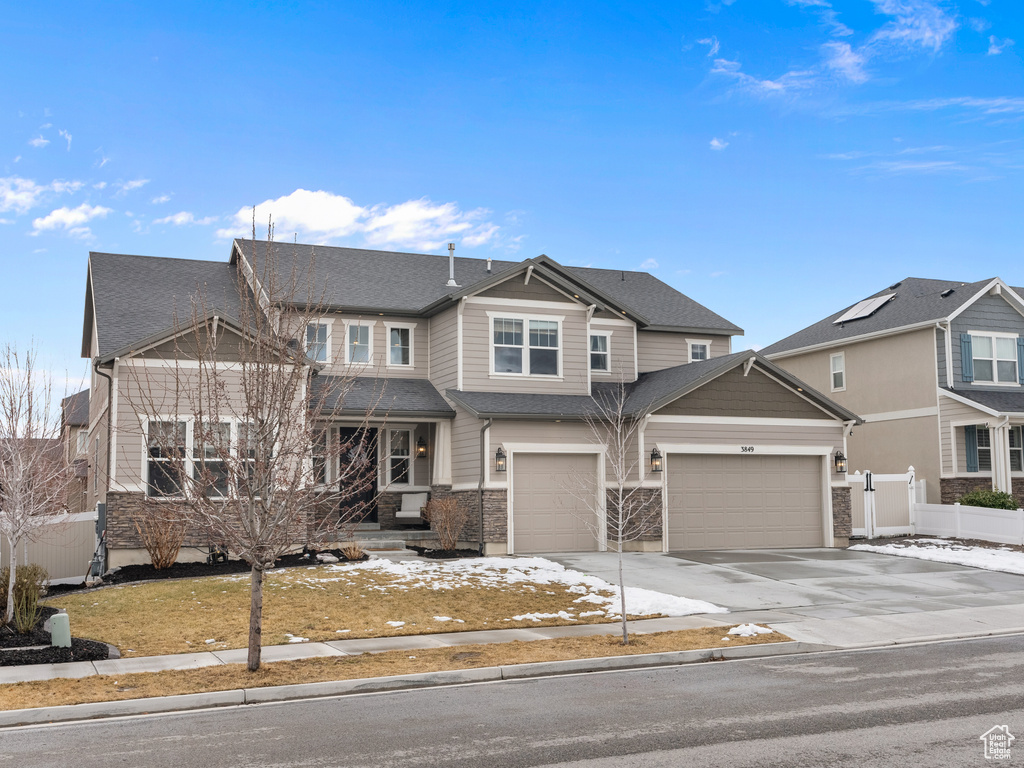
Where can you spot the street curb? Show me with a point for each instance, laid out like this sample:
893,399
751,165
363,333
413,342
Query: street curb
72,712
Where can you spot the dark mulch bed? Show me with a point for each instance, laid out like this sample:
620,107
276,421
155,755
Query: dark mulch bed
14,650
443,554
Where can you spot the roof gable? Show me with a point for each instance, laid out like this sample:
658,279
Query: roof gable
750,394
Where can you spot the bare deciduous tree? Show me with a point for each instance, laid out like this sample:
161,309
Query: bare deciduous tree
234,425
629,510
34,473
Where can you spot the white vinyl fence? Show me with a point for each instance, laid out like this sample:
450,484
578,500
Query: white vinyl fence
1001,526
64,548
883,505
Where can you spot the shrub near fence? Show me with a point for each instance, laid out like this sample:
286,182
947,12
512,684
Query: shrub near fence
1000,526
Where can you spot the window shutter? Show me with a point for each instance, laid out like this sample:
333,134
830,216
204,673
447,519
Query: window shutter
971,438
1020,359
966,360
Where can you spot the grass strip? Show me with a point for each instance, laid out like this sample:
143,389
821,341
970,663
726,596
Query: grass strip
51,693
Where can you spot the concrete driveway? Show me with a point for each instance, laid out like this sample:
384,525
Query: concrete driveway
831,596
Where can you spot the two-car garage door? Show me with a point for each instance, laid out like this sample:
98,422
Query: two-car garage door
737,501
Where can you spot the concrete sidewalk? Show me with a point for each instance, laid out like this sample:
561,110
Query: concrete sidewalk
77,669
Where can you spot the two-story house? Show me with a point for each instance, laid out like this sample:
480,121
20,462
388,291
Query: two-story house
479,373
935,368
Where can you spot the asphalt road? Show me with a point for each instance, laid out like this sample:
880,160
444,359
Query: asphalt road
922,705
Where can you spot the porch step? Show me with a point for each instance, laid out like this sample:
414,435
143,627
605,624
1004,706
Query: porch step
379,545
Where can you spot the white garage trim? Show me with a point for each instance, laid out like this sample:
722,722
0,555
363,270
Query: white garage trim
511,449
666,449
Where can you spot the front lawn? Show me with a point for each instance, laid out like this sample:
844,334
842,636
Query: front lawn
370,599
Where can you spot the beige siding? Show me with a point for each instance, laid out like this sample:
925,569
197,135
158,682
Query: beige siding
444,349
951,411
476,347
659,349
621,344
193,343
550,433
893,373
890,447
535,290
753,395
466,448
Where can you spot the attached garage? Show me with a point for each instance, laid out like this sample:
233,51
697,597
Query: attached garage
546,517
742,501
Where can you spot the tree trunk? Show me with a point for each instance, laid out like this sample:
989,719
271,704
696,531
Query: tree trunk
622,600
255,618
9,604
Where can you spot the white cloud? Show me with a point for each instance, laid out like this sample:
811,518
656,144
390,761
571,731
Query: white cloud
184,218
160,199
997,46
322,216
100,185
39,142
979,25
712,43
125,187
103,158
649,264
841,58
827,14
66,136
21,195
70,219
718,144
792,80
916,23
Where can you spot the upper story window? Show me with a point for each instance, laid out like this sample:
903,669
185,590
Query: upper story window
837,363
994,358
359,346
600,357
400,351
81,442
526,346
700,349
317,342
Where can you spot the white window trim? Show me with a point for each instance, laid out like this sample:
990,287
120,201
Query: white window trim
1010,428
360,323
995,373
190,458
81,445
832,373
386,469
608,351
988,431
328,353
690,343
411,327
526,344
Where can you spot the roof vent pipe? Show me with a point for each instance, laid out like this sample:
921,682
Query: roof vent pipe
451,266
488,265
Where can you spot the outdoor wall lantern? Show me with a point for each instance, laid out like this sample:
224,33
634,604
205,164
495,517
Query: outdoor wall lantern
499,460
421,449
655,461
840,463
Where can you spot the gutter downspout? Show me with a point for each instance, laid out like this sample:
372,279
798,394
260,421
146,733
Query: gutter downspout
110,420
480,485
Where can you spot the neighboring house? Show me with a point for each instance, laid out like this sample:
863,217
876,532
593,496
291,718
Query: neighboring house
482,382
74,433
935,368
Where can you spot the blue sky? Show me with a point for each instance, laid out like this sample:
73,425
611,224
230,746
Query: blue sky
776,160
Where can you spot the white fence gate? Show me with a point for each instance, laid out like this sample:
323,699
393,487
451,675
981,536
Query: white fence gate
883,505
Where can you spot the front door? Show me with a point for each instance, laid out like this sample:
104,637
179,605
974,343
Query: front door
357,474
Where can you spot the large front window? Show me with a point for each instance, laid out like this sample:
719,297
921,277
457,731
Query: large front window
166,449
534,353
995,358
211,446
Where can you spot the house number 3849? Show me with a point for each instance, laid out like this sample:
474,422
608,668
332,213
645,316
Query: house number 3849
746,449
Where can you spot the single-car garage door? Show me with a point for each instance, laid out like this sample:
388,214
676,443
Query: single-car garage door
728,501
546,517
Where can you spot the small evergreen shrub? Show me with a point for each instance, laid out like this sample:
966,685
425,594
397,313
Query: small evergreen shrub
990,499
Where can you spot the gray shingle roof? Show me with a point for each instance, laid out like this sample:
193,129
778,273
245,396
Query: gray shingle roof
649,392
410,282
136,297
918,300
390,397
75,409
1003,402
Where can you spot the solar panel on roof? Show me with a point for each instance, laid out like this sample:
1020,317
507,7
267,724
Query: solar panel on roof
863,309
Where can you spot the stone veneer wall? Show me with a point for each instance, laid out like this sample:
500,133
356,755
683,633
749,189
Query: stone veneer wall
123,507
495,512
842,516
649,518
952,488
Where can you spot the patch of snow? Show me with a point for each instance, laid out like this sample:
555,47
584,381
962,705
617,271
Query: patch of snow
395,623
749,630
591,613
955,553
295,638
211,641
539,616
442,618
342,631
